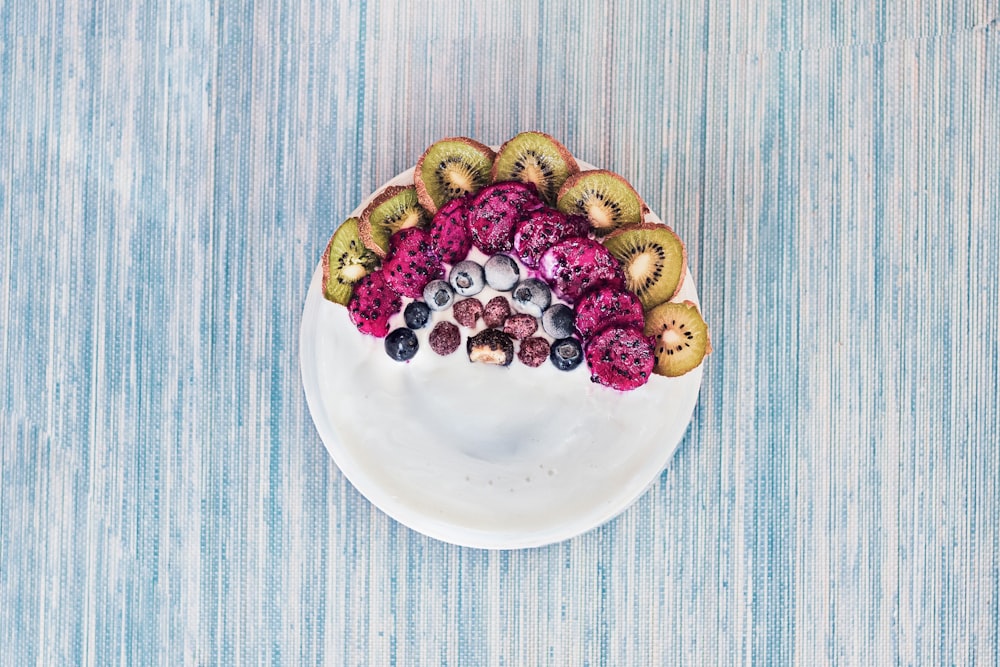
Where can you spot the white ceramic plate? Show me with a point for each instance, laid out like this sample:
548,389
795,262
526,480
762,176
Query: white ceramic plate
488,457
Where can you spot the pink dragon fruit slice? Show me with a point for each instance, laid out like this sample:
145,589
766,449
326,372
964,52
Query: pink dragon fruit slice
608,307
413,262
543,229
372,304
449,230
620,358
574,266
495,212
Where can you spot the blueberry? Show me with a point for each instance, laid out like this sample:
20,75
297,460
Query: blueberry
417,314
531,296
401,344
566,353
502,272
557,320
467,278
438,295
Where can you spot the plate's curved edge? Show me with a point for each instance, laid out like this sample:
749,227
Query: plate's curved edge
426,525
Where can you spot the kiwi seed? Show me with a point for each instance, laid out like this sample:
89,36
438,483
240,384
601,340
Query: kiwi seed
535,157
603,197
653,259
345,261
451,168
680,337
396,207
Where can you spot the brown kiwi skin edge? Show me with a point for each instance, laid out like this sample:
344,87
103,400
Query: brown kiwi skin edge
422,194
571,165
326,261
653,226
364,222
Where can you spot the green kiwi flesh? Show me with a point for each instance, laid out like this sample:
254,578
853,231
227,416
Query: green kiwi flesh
604,197
395,208
451,168
535,157
680,338
653,259
346,261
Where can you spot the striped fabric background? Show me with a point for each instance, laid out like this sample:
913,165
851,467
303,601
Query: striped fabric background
171,170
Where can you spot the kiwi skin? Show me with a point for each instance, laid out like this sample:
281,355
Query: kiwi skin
667,237
559,156
680,337
345,241
376,237
423,193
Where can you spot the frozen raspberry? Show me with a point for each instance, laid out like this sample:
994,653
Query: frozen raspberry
497,310
533,351
467,311
520,326
444,338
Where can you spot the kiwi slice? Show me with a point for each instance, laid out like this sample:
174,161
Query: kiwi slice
451,168
680,337
654,261
535,157
603,197
345,261
396,207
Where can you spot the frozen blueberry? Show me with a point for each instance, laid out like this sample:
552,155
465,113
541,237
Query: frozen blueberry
557,320
531,296
566,354
502,272
401,344
467,278
438,295
417,314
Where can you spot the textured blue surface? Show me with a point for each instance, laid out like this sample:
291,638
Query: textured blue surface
170,172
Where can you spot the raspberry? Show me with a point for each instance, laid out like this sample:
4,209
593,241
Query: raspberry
520,326
497,310
533,351
444,338
467,311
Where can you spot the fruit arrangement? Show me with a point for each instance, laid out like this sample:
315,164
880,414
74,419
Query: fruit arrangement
523,255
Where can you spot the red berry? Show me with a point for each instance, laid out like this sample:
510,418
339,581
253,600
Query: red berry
444,338
467,311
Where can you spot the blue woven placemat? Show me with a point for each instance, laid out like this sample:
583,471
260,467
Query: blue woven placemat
169,175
